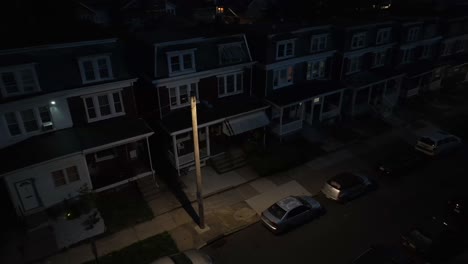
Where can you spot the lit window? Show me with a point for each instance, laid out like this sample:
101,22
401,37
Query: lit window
181,62
319,43
103,106
316,70
94,69
283,77
18,80
284,49
179,96
358,40
230,84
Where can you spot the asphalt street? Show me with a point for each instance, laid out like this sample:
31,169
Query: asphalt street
346,231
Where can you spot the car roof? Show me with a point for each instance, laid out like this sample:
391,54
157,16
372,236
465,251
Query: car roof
346,179
289,203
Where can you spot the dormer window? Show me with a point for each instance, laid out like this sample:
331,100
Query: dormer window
231,53
103,106
181,62
284,49
95,69
413,34
18,80
319,43
358,41
383,36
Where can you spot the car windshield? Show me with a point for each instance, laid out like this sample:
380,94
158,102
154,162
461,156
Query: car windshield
277,211
427,141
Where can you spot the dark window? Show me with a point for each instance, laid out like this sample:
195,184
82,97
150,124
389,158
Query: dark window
104,105
59,178
117,102
12,123
90,107
297,211
29,120
9,82
72,174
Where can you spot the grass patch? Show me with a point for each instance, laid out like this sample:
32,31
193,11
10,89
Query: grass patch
123,208
283,156
142,252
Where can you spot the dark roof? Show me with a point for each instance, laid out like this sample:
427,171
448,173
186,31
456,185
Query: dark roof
346,179
221,108
371,76
302,91
68,141
57,66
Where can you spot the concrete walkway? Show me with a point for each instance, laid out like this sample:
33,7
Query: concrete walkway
228,211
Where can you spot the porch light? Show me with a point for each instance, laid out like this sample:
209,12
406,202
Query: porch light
52,102
316,100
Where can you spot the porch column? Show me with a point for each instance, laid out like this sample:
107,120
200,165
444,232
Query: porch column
302,110
207,135
151,162
176,155
87,173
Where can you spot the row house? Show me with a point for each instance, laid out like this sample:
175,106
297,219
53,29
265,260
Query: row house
454,50
67,122
366,53
218,71
295,75
419,49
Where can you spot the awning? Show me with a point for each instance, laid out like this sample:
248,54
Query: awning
236,126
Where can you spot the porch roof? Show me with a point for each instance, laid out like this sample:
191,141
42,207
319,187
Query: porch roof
303,91
372,76
68,141
421,67
181,119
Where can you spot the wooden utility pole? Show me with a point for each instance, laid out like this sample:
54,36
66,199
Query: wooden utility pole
196,152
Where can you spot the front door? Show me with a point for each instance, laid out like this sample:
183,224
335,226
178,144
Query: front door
27,194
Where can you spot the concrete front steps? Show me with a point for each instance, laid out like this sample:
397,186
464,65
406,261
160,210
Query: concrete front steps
228,161
148,188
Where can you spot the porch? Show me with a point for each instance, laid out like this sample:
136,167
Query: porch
380,97
423,82
117,165
313,111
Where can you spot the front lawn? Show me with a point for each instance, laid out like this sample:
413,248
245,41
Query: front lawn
123,208
283,156
142,252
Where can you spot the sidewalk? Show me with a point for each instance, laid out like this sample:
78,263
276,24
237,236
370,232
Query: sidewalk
228,211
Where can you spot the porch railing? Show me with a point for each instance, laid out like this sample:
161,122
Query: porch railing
288,128
331,113
187,158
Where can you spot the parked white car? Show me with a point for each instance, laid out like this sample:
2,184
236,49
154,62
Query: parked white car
437,142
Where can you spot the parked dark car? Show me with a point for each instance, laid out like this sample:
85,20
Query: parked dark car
380,254
400,163
346,186
434,241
